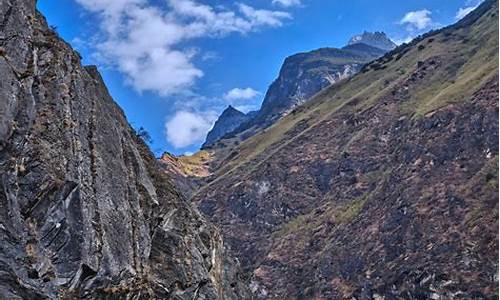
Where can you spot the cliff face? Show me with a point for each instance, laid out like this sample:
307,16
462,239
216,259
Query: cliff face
305,74
85,211
384,186
228,121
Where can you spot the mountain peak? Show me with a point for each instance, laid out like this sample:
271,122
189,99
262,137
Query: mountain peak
229,120
376,39
230,110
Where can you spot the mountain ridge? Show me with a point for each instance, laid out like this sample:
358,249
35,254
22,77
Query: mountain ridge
228,121
377,39
383,185
301,76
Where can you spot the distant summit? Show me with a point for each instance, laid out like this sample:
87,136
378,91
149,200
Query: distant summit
376,39
301,76
229,120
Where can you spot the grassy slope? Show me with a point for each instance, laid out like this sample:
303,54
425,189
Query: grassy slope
456,83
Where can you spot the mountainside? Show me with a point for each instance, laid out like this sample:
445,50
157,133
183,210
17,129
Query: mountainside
301,76
228,121
187,171
382,186
86,212
375,39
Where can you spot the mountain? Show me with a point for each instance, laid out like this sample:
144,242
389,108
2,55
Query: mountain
382,186
86,212
228,121
304,74
375,39
186,171
301,76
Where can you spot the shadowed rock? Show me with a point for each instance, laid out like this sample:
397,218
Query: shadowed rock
85,211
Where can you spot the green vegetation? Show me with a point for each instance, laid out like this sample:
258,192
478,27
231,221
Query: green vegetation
349,211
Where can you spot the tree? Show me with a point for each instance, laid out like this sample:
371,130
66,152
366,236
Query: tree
144,135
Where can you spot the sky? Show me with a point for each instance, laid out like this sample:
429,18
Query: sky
175,65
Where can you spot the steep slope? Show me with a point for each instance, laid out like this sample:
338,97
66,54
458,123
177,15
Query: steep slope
187,171
301,76
85,211
375,39
383,186
228,121
304,74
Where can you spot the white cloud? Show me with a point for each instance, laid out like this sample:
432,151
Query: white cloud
419,19
463,11
403,40
287,3
263,17
241,94
145,42
210,56
246,108
186,128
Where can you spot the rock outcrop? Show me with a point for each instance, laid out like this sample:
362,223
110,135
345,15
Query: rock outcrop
303,75
375,39
383,186
86,212
228,121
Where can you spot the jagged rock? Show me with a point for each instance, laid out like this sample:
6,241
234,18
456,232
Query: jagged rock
85,211
375,39
228,121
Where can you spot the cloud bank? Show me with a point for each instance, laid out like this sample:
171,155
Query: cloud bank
463,11
419,19
147,43
241,94
186,128
287,3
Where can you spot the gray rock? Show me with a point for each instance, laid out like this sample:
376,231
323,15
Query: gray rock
228,121
304,74
85,212
376,39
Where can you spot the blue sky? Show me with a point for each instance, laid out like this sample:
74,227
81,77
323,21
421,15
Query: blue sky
174,65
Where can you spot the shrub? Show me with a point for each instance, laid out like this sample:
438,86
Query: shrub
144,135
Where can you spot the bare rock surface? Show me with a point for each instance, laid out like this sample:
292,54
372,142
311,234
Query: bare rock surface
85,211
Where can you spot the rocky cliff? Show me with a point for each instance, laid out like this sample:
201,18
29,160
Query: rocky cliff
382,186
304,74
228,121
85,211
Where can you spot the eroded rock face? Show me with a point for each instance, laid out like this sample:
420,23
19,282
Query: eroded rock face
228,121
85,212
